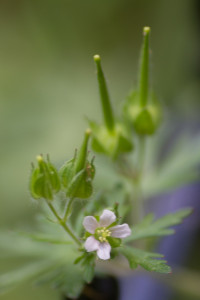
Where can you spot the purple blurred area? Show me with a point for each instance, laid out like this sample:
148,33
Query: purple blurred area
176,248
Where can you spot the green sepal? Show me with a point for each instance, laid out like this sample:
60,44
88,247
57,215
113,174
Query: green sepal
80,186
77,174
114,253
145,120
67,172
114,242
54,178
44,180
42,188
34,176
111,143
97,218
86,235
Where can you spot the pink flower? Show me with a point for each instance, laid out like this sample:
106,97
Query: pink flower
101,230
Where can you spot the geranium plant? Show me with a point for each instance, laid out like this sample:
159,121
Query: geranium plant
83,226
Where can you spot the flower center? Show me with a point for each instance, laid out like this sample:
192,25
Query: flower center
102,234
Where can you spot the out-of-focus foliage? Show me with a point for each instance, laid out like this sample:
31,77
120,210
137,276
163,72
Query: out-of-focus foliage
50,261
150,228
47,83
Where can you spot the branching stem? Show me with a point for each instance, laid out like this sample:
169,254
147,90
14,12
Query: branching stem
62,222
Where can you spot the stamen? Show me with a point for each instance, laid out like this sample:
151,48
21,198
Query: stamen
102,234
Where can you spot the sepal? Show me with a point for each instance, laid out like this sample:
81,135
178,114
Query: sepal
145,120
111,143
77,174
114,242
44,180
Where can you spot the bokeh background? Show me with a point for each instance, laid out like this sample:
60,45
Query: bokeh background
48,83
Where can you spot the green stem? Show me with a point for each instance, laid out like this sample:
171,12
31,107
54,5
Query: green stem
63,224
105,100
68,208
144,69
141,155
138,210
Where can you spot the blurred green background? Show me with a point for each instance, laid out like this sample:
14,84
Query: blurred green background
48,83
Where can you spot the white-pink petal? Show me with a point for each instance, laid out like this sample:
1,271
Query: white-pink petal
120,231
103,251
91,244
107,218
90,224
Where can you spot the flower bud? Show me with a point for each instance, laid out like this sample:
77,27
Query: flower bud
142,108
77,174
44,181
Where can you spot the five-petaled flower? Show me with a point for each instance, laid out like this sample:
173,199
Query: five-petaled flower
102,230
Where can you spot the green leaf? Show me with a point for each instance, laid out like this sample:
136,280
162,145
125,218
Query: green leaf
150,228
88,273
88,264
177,168
147,260
79,258
23,274
67,278
47,239
52,262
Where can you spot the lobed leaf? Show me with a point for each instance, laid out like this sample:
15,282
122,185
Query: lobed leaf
147,260
150,228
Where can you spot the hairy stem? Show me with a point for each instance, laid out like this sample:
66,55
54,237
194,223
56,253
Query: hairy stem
138,184
68,209
63,224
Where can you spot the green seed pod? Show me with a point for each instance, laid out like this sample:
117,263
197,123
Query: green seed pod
80,186
77,174
142,108
111,143
44,180
112,138
145,120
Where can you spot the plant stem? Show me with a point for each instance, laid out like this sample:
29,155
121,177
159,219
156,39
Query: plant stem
141,156
63,224
138,210
68,207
